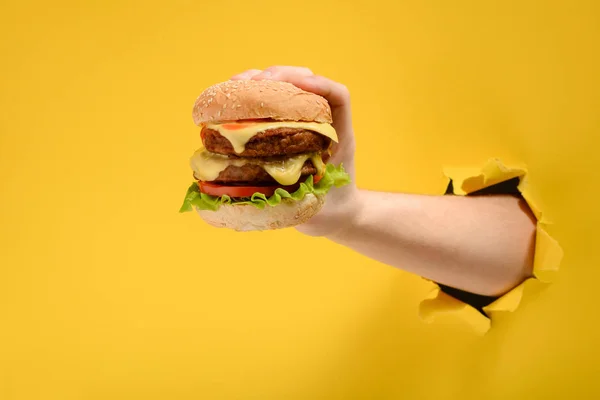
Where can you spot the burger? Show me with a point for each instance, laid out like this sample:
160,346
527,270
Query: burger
263,163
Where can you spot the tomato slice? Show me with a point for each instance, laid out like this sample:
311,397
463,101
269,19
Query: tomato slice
214,189
237,125
232,126
235,191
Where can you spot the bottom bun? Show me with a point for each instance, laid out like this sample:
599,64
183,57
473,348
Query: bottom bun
246,217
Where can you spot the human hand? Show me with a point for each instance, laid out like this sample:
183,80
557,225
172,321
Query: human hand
341,204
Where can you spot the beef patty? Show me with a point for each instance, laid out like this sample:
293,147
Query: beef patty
272,142
255,175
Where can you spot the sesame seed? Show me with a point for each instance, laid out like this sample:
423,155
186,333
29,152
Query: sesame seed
224,106
262,104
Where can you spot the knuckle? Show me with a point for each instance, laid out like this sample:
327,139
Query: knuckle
289,69
344,91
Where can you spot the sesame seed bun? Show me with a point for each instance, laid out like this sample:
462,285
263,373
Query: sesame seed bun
259,99
244,217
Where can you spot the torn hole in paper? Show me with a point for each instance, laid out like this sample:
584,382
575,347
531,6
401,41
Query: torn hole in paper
475,310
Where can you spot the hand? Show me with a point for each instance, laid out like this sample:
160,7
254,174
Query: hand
341,204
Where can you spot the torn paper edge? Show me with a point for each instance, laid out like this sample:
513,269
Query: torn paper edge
547,259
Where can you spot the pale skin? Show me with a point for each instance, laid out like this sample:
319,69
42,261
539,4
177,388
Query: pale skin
483,245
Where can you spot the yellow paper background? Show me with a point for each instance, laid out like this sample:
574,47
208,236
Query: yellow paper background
107,292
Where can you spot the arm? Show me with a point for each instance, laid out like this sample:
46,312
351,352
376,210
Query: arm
482,245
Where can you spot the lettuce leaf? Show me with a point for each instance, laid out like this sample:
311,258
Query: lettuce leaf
334,176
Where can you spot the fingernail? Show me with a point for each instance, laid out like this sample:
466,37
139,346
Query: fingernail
266,74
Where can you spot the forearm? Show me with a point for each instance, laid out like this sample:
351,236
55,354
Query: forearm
482,245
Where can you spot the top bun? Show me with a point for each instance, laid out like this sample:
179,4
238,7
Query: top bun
259,99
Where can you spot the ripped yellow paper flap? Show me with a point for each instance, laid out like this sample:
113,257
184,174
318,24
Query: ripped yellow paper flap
470,179
547,259
438,303
548,255
526,193
511,301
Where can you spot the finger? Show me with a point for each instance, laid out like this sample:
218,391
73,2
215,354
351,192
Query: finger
336,94
246,74
277,72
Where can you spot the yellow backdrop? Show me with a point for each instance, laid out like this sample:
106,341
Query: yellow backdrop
106,292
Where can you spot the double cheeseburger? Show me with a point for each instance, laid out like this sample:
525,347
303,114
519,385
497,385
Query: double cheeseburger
263,163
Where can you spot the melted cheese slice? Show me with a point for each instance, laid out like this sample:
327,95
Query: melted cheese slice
207,166
239,134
